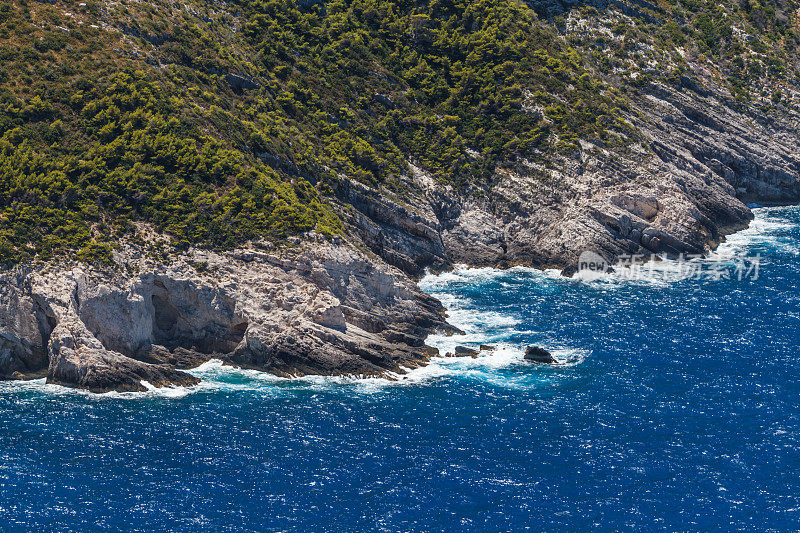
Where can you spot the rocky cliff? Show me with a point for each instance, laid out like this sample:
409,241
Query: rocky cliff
684,186
318,307
421,137
315,308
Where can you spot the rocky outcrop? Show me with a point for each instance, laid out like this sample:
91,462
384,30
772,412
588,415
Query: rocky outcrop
44,332
539,355
679,189
463,351
79,360
404,233
24,330
320,309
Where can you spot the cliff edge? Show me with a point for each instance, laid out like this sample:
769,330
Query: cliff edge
315,308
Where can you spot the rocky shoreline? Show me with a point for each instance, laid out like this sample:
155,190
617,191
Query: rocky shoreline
352,307
681,189
311,309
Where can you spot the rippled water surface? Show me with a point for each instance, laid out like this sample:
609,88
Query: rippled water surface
675,407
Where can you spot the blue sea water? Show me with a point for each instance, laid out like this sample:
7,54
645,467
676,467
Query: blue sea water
675,407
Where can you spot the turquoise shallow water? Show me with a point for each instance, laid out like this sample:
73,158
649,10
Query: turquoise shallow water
676,407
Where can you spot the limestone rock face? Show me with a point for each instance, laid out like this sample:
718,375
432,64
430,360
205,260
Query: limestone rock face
74,355
320,309
405,234
24,330
681,189
80,360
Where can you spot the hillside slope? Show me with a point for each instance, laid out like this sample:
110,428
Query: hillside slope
209,146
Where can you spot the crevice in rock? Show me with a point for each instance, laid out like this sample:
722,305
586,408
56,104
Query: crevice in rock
24,354
175,328
165,320
46,322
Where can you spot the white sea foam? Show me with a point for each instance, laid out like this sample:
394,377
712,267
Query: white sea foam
217,375
215,370
463,274
491,328
767,227
40,386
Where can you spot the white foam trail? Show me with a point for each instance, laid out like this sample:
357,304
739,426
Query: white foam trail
42,387
166,392
217,375
463,274
487,328
766,228
215,370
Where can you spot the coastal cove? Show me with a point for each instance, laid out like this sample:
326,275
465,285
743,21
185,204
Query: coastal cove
373,265
674,407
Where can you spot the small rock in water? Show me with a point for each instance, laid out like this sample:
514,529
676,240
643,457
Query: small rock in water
487,348
463,351
539,355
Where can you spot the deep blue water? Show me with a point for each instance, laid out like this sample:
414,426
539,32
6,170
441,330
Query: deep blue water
676,408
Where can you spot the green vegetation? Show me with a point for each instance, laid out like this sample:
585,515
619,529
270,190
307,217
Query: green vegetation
83,166
223,122
379,82
748,45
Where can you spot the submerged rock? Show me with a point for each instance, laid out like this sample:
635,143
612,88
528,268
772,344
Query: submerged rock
463,351
539,355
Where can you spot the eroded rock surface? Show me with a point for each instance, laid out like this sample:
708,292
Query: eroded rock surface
680,189
539,355
320,309
24,329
